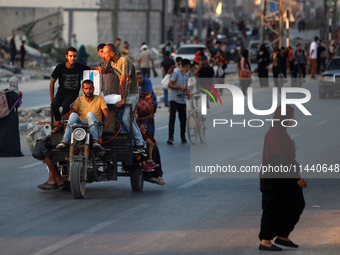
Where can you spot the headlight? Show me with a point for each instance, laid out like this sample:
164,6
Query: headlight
328,78
79,134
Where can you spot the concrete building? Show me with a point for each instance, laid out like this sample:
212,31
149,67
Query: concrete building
93,21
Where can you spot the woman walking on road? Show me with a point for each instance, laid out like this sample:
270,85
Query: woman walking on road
245,71
282,196
263,62
9,125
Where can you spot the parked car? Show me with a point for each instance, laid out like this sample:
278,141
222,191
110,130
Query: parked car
254,47
330,79
188,51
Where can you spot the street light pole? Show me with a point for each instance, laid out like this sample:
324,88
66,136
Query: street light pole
186,18
199,20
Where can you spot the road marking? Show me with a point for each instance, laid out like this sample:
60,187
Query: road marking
252,155
191,183
35,164
323,122
160,128
73,238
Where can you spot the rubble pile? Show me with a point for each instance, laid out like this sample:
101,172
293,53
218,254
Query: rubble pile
28,119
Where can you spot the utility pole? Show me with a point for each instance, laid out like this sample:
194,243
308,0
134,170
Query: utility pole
199,20
272,18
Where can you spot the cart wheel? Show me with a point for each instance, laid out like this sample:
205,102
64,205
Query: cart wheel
77,179
136,177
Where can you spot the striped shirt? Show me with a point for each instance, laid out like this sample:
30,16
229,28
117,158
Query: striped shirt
125,66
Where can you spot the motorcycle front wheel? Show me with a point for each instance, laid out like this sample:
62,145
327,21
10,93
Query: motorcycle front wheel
78,181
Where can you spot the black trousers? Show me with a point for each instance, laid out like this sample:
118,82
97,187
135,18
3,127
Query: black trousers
282,205
63,100
182,115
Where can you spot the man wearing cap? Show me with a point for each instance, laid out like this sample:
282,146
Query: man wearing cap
144,60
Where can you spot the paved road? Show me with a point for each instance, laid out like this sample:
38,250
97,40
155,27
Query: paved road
186,216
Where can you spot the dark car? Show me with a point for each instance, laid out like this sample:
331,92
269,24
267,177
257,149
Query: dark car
330,79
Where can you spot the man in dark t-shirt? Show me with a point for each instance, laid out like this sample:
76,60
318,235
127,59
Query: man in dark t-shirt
69,76
205,74
166,65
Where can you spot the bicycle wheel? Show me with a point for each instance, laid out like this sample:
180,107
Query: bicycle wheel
201,128
191,126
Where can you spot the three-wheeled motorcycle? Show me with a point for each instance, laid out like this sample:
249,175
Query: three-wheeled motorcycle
80,164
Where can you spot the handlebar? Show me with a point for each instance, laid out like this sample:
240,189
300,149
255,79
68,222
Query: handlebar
81,125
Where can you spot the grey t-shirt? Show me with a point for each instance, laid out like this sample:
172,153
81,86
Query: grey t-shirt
300,57
181,80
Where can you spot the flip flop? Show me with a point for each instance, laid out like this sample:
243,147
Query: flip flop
47,186
61,186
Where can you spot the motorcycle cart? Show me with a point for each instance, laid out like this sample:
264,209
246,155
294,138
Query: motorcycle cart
80,164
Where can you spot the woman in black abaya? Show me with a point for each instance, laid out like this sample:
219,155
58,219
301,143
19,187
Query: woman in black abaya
263,61
9,126
282,197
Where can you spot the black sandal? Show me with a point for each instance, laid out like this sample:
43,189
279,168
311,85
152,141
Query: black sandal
47,186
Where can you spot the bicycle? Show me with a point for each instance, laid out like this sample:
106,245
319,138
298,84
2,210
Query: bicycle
196,121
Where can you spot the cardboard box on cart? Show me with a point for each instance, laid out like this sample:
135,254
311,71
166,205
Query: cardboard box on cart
94,76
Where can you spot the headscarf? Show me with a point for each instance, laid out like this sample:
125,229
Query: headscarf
14,84
277,141
82,55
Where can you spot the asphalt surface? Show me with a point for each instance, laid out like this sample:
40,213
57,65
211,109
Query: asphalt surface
185,216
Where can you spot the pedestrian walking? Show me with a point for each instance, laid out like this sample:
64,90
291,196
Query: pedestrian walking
282,196
22,54
245,71
331,50
313,53
299,58
82,55
263,62
178,86
166,66
9,125
125,50
13,49
118,43
144,60
74,41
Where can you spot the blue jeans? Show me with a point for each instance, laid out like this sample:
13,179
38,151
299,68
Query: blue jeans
95,130
146,72
132,99
166,91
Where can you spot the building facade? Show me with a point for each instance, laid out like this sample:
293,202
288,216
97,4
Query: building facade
95,21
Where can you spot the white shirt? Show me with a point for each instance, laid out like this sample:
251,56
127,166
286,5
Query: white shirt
314,47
